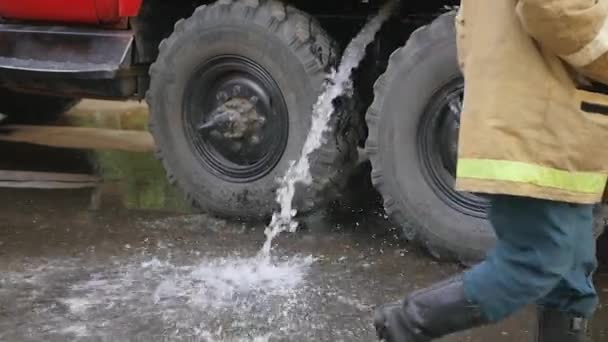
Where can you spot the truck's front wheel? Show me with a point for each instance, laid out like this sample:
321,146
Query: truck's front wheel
231,104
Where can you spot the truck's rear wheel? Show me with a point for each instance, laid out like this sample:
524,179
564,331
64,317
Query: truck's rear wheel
413,136
26,108
413,131
231,101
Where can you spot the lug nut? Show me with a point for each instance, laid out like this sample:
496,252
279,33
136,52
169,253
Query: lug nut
253,100
236,90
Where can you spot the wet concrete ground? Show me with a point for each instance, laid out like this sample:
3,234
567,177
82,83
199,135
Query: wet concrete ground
127,261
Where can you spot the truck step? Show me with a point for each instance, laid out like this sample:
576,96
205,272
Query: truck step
79,52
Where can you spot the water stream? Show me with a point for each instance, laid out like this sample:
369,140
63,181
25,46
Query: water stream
338,84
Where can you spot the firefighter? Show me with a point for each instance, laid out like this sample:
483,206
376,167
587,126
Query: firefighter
534,136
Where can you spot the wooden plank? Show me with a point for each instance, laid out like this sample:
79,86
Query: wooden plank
79,137
46,185
46,180
26,176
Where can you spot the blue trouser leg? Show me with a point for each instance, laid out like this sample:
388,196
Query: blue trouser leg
575,293
545,253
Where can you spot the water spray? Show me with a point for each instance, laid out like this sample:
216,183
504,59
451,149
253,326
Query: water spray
339,83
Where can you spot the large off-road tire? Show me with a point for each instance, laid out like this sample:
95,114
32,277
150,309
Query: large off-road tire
245,49
413,135
25,108
411,152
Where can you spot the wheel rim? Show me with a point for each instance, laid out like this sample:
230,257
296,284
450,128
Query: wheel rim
438,149
236,118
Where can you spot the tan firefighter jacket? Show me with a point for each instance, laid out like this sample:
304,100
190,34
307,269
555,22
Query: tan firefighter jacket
528,128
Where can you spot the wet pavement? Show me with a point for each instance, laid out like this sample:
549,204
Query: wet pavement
129,261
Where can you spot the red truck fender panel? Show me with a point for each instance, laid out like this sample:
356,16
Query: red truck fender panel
70,11
129,8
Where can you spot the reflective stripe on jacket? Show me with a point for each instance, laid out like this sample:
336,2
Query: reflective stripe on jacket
528,128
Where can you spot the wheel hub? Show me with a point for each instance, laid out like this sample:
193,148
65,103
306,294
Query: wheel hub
235,119
239,125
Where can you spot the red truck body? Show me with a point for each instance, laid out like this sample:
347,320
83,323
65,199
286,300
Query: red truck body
70,11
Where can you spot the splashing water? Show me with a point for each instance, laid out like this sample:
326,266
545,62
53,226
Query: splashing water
339,83
213,299
225,282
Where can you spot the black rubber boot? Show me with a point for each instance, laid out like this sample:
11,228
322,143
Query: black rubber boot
428,314
556,326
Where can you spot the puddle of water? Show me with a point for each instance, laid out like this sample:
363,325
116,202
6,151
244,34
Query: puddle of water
156,279
223,299
339,84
